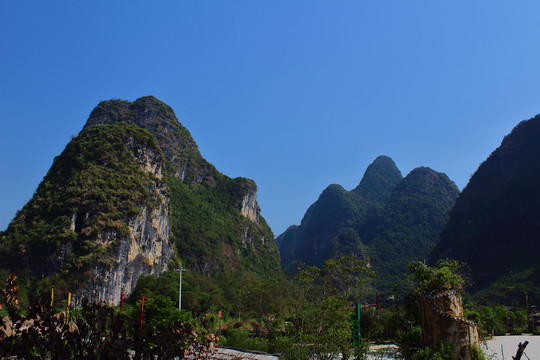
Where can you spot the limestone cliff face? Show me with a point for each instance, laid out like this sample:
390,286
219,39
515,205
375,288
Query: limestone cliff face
145,250
105,212
208,209
185,160
250,208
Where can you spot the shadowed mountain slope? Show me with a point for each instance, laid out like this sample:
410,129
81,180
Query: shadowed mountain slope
495,224
390,219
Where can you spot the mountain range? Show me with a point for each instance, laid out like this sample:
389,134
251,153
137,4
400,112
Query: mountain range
388,218
131,195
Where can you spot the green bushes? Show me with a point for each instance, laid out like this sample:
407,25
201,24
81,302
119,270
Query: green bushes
499,320
242,339
447,275
445,352
210,232
308,314
477,353
96,331
384,324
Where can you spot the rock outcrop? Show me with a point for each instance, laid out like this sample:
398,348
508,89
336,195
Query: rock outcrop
180,150
443,323
146,249
250,208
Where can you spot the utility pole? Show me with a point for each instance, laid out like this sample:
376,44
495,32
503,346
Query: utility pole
180,286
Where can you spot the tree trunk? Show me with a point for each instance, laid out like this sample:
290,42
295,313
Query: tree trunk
521,349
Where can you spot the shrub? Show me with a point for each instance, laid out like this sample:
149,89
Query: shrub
447,275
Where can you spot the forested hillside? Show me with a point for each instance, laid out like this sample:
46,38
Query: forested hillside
132,195
411,222
387,218
495,224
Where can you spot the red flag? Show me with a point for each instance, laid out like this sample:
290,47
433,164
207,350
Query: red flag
122,301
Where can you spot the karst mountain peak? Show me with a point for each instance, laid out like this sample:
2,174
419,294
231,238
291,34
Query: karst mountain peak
356,222
131,195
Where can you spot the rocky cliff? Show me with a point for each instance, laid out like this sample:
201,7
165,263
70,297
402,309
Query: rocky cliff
131,195
145,249
182,155
250,208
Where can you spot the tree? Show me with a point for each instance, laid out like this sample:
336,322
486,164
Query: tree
321,325
346,274
448,274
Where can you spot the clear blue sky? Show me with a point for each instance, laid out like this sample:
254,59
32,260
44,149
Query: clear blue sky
293,94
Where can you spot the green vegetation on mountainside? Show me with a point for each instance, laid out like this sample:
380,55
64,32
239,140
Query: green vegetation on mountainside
335,210
495,223
208,230
336,223
412,220
182,156
379,181
210,233
97,185
390,219
93,186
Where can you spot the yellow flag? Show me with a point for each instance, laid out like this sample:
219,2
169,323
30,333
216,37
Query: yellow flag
68,306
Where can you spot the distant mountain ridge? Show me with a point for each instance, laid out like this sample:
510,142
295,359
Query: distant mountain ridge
388,218
132,195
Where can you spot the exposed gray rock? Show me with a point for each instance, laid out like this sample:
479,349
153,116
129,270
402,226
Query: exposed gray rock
146,250
250,208
158,118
